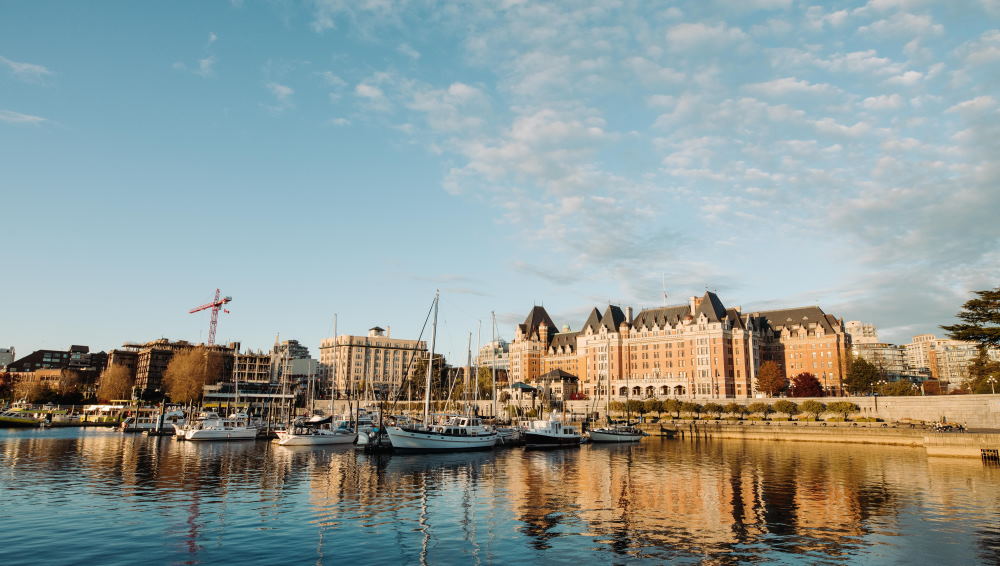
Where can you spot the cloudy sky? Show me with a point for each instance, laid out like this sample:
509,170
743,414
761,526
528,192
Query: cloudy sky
349,157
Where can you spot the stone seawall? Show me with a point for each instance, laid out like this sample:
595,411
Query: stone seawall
973,411
936,444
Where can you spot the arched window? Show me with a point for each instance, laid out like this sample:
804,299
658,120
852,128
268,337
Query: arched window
665,390
636,390
650,391
623,391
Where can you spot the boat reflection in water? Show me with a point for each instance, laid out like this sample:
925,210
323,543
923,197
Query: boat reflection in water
652,502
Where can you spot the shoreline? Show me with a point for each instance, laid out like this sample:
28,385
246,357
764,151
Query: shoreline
983,445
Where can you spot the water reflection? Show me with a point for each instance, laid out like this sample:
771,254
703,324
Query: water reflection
682,501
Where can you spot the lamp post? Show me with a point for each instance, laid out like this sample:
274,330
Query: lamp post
992,381
881,384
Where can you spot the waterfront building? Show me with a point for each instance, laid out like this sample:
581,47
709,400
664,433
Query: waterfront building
494,354
806,339
698,350
150,359
252,366
861,332
889,358
7,356
377,360
942,358
78,358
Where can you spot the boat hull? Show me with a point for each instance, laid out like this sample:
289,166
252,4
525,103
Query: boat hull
418,441
612,436
286,439
19,422
244,434
538,440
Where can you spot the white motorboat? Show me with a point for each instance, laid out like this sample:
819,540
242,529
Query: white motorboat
310,433
617,433
146,421
457,433
550,434
210,426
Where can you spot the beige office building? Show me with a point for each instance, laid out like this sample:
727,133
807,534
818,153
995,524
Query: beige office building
376,361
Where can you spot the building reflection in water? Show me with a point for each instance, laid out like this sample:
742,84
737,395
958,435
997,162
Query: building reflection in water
660,500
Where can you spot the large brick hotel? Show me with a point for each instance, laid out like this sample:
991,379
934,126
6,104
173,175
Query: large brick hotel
700,350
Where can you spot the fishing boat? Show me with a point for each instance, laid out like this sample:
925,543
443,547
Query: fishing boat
211,426
616,433
551,433
153,422
316,432
19,418
456,433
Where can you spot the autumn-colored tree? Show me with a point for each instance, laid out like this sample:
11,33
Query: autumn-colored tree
672,406
814,408
714,409
654,406
738,410
844,408
116,383
787,407
32,391
770,379
189,371
761,408
806,384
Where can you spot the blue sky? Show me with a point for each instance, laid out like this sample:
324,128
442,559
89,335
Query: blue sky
313,158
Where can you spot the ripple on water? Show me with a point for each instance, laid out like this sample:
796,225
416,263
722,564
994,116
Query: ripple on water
111,498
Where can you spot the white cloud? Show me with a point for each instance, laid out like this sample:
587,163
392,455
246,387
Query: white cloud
975,105
373,97
831,126
883,102
903,24
339,122
282,97
789,85
206,67
212,37
407,51
688,36
27,72
909,78
11,117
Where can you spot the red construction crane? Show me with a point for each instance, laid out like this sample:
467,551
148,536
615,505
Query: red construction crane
216,306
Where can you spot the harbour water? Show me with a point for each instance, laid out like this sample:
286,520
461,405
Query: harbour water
87,496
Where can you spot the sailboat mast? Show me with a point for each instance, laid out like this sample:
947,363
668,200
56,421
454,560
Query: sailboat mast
430,361
333,372
468,373
493,348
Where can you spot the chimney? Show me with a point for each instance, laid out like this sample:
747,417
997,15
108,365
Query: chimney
693,304
628,315
388,331
543,332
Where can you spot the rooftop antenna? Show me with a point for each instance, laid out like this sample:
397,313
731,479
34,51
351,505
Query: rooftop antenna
664,289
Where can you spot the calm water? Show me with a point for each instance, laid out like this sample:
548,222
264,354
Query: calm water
98,497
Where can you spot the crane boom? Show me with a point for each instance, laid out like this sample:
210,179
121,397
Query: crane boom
216,305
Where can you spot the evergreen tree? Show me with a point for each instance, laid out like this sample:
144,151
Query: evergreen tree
980,320
862,377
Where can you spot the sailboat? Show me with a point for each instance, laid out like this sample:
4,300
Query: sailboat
619,432
456,433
